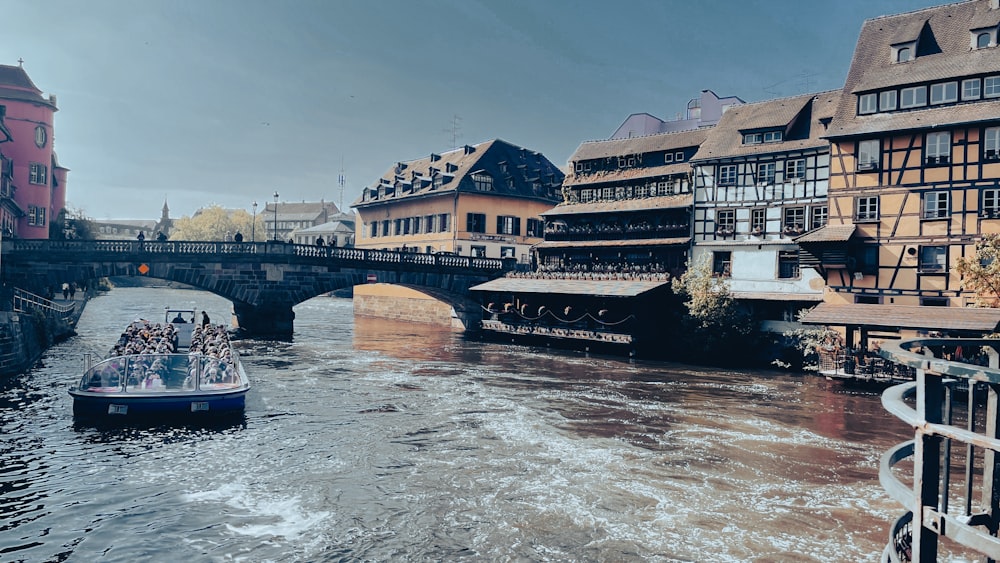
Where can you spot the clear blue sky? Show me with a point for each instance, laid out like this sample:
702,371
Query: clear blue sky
225,101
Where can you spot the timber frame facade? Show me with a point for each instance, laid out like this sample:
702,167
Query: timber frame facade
915,158
761,179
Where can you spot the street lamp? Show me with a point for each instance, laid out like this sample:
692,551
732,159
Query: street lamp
275,216
253,224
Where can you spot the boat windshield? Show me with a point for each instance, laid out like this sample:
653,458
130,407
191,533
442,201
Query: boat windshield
159,373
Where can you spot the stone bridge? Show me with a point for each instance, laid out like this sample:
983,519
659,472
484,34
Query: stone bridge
264,280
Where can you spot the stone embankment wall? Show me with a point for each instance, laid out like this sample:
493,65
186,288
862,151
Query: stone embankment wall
387,301
24,337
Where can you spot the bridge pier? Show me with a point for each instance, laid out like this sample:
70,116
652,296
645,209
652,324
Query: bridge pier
264,320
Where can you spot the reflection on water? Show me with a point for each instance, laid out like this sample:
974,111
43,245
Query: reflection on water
366,439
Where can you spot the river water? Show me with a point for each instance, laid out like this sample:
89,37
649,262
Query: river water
368,440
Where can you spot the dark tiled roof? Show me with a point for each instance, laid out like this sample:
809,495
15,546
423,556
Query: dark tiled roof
609,176
591,150
15,76
904,316
943,52
828,233
800,117
22,95
614,243
639,204
599,288
876,123
458,165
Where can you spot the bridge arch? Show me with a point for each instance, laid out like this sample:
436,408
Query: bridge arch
262,280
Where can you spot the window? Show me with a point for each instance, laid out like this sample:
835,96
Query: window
722,264
944,93
868,299
938,148
795,169
933,259
477,251
865,259
936,205
971,89
429,226
788,264
385,228
507,225
668,158
398,227
444,220
753,138
482,181
866,208
913,97
867,103
536,228
820,216
794,218
607,194
725,221
765,173
887,100
667,187
40,136
773,136
933,301
991,86
869,154
374,229
641,191
679,156
758,221
727,175
903,54
983,40
475,222
991,143
37,173
507,252
36,216
991,203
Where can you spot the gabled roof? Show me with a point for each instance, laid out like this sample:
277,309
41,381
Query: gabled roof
301,211
943,52
591,150
611,176
499,159
800,117
330,227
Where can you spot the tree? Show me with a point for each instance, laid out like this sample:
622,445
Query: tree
981,272
214,222
72,224
714,328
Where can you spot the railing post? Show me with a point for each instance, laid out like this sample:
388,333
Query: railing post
927,468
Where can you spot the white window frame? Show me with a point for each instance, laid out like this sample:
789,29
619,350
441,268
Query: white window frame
773,136
944,93
795,169
991,87
990,202
888,100
753,138
869,154
937,147
917,97
972,89
867,103
937,205
866,208
939,260
38,174
725,219
991,143
728,174
819,215
766,172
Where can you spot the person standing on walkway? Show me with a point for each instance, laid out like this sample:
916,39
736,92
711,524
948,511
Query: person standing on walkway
204,319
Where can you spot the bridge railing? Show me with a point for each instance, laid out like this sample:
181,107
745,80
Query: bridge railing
25,302
953,492
257,249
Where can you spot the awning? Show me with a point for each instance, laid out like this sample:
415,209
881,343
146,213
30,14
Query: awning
828,233
613,243
776,296
904,316
617,206
596,288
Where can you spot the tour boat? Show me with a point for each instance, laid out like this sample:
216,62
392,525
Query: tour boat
178,367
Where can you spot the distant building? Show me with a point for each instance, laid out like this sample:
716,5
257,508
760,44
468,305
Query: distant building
129,229
761,180
482,200
32,183
293,217
704,111
914,173
340,231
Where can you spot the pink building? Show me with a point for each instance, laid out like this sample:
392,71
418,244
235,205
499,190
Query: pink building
32,184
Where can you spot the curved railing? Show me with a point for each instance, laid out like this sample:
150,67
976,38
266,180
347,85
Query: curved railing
24,301
35,248
962,506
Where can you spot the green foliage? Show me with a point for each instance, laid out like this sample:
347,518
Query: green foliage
981,272
713,329
813,341
214,222
72,224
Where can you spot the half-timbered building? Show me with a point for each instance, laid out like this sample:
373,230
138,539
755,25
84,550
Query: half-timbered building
915,168
761,180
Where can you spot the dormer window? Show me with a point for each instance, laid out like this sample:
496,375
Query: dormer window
763,137
903,52
867,103
984,37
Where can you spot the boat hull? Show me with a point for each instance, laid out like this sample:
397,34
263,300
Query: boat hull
122,405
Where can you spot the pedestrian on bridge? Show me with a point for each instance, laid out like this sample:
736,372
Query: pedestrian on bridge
238,237
141,236
319,241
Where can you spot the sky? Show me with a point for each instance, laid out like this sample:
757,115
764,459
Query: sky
225,102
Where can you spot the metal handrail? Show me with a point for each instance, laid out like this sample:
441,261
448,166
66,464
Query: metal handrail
25,301
973,523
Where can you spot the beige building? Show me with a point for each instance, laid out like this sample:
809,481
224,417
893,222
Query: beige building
484,200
